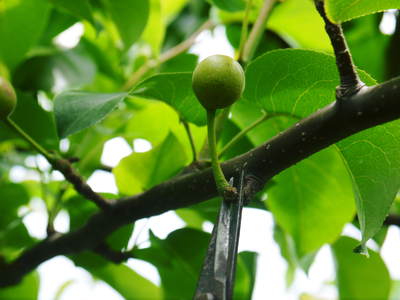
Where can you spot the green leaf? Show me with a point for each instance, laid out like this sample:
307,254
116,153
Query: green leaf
27,289
57,23
298,82
372,157
285,20
140,171
230,5
344,10
174,89
179,259
130,18
313,201
56,72
79,8
170,8
78,110
155,29
120,277
359,277
21,24
185,62
249,261
13,234
34,120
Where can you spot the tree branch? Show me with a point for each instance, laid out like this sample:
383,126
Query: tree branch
378,104
80,185
350,82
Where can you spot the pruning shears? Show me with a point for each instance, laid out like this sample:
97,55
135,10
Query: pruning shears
218,272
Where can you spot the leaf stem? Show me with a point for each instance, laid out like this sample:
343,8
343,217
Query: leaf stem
190,137
242,133
245,29
220,181
256,31
30,140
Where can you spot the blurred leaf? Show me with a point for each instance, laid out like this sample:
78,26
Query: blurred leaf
287,16
364,38
130,18
249,260
56,72
285,19
155,28
185,62
34,120
170,8
123,279
395,291
288,252
78,110
178,263
13,234
344,10
174,89
360,277
27,289
21,24
103,61
299,82
313,216
229,5
139,171
179,259
57,23
79,8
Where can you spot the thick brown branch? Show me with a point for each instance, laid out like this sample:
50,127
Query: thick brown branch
350,82
371,106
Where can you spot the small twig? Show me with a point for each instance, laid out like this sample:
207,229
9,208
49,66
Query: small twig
257,30
64,166
80,185
171,53
350,82
112,255
190,137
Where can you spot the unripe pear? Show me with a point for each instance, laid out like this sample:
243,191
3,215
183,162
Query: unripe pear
218,81
8,99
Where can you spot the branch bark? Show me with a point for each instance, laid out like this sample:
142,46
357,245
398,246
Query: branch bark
340,119
350,82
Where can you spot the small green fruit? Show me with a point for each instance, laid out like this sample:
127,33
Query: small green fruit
8,99
218,81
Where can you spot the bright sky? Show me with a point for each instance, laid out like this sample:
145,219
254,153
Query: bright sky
270,281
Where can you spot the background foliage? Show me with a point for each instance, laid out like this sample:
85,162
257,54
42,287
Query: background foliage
122,79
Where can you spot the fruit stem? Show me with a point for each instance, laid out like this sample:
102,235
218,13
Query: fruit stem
30,140
219,177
